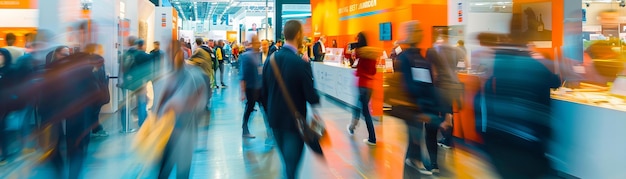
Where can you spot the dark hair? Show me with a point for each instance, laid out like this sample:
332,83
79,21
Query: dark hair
10,38
292,29
360,40
139,42
157,42
199,41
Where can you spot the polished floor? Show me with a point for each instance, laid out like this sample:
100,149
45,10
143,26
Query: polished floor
221,152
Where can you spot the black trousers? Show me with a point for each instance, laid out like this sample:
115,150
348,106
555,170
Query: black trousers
221,68
431,143
253,96
414,149
514,161
76,142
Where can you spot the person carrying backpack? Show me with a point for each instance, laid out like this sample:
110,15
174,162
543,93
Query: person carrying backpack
420,82
136,72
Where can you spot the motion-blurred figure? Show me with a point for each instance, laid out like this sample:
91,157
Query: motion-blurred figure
220,54
137,71
185,93
72,94
517,98
202,59
250,79
7,79
365,71
96,51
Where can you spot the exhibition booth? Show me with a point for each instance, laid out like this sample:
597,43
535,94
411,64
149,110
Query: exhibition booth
586,110
341,21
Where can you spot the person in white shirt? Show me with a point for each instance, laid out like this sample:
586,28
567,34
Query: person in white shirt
319,49
16,52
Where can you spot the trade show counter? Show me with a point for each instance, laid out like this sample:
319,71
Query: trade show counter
588,128
339,82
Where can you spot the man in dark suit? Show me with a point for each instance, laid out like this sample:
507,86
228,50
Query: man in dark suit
276,47
298,79
319,49
265,51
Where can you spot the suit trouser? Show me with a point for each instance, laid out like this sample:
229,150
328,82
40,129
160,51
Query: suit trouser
290,146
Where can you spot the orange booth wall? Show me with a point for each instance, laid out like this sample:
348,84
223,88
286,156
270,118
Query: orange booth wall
18,31
343,26
328,21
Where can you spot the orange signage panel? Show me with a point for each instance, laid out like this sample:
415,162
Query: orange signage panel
18,4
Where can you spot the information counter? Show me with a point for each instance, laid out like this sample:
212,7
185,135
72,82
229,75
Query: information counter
589,138
339,82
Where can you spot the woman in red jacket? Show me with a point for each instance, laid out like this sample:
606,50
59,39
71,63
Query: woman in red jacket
365,72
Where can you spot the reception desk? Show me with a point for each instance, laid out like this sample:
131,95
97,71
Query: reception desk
338,81
589,138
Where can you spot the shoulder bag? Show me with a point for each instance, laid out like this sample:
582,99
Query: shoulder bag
311,133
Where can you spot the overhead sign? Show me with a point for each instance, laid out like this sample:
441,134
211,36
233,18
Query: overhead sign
358,6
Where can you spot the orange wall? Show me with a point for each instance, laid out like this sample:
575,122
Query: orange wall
326,19
18,4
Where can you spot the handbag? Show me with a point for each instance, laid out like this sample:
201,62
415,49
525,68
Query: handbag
311,133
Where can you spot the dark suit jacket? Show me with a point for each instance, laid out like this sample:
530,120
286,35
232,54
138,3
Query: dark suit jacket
317,51
273,49
298,77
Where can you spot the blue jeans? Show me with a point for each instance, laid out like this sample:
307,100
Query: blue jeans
142,105
290,146
365,94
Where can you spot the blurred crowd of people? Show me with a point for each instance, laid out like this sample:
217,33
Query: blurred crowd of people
51,96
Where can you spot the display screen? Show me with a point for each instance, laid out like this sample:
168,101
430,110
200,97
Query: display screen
385,31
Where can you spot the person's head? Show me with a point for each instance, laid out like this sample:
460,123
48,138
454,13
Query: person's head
265,46
220,43
140,44
444,34
252,41
334,43
5,58
199,41
293,32
60,53
361,41
131,41
279,43
413,33
157,45
10,38
211,43
323,39
460,43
